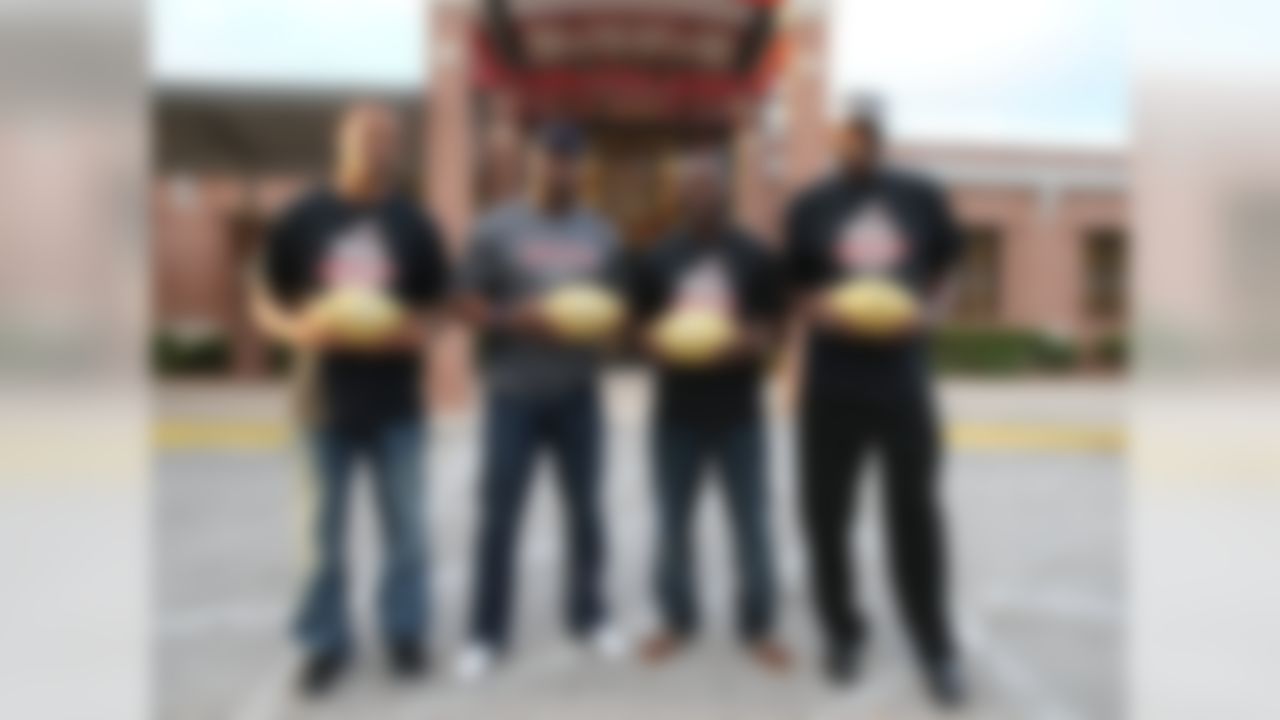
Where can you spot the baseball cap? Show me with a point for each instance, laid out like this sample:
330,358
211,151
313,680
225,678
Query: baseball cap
561,139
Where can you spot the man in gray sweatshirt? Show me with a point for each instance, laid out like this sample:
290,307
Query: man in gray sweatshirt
541,390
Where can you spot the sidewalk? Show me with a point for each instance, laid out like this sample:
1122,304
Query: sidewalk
1037,545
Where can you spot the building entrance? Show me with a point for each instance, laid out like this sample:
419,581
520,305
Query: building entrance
631,174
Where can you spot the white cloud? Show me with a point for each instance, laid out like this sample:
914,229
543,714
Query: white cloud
303,42
1232,39
1002,70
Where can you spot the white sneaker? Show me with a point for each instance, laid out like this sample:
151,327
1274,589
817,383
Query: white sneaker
475,663
609,643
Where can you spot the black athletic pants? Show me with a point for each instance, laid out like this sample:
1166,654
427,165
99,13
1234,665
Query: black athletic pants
837,436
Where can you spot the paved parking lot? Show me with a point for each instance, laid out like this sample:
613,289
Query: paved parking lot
1037,547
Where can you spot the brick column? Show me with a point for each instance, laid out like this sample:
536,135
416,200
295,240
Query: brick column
450,181
805,130
753,199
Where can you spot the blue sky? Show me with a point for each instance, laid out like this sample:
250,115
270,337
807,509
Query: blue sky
1052,71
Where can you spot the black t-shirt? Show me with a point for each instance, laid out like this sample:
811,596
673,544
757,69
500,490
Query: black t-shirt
734,272
324,242
889,224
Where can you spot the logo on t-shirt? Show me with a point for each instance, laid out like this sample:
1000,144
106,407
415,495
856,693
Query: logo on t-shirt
705,284
870,242
552,257
357,257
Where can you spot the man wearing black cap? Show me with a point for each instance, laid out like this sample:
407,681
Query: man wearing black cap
542,390
870,393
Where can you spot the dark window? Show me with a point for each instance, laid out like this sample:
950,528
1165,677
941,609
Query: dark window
1106,273
978,281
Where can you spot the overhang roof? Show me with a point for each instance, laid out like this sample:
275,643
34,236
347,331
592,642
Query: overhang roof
631,58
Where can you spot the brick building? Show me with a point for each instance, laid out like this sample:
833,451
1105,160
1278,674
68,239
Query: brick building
646,78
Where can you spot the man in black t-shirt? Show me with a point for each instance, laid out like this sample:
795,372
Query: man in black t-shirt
866,392
363,400
711,412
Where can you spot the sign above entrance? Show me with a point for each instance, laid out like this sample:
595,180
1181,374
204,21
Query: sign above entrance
629,59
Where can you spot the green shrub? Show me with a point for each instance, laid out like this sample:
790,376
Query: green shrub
1054,354
279,359
1001,351
1112,351
188,352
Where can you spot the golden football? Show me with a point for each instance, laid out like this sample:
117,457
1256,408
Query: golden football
874,306
359,315
693,336
583,312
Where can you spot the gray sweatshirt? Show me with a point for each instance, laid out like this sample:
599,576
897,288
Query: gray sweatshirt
517,252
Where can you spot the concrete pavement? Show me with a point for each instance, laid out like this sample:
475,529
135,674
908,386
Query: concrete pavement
1037,546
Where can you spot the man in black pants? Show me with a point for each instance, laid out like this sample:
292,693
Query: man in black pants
864,394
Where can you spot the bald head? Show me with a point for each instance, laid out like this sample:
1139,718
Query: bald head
367,146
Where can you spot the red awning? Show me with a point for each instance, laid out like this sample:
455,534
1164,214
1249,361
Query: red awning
629,58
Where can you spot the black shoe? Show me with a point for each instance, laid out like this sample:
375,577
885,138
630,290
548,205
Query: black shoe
947,684
407,658
320,672
844,662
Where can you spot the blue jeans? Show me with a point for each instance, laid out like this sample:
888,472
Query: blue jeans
517,426
681,450
394,453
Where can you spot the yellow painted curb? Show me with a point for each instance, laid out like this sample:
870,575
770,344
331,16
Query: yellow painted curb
1011,437
220,435
173,436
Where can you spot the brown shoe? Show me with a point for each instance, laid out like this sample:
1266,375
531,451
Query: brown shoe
660,647
772,655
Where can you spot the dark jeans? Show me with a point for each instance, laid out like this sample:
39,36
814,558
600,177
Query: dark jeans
681,451
836,436
394,452
517,427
